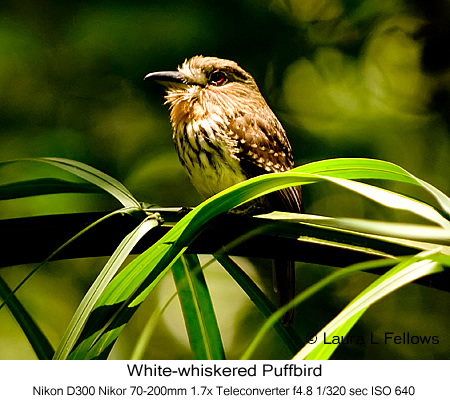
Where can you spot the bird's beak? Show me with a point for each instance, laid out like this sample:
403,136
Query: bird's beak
167,78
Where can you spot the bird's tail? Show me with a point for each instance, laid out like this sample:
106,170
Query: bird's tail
284,285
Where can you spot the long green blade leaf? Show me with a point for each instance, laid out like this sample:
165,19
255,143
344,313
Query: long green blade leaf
307,293
130,287
264,305
404,273
147,332
393,230
199,317
86,306
393,200
90,174
35,336
363,168
37,187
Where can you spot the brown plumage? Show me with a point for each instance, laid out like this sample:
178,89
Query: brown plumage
225,133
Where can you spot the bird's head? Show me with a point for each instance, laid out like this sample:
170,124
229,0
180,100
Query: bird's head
206,86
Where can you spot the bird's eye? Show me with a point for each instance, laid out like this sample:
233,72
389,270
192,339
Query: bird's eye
218,78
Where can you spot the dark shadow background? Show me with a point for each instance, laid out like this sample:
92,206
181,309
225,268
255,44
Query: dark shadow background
346,78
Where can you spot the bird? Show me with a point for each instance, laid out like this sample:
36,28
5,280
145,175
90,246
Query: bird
225,133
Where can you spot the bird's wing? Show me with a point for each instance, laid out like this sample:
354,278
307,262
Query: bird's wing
262,147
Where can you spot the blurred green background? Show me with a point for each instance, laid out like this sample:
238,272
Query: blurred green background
347,78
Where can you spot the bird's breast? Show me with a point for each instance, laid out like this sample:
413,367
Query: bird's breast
208,154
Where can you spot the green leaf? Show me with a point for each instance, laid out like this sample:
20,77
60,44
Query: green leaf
86,306
264,305
37,339
199,317
146,334
90,174
393,231
407,271
93,175
307,293
442,199
393,200
37,187
130,287
363,168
